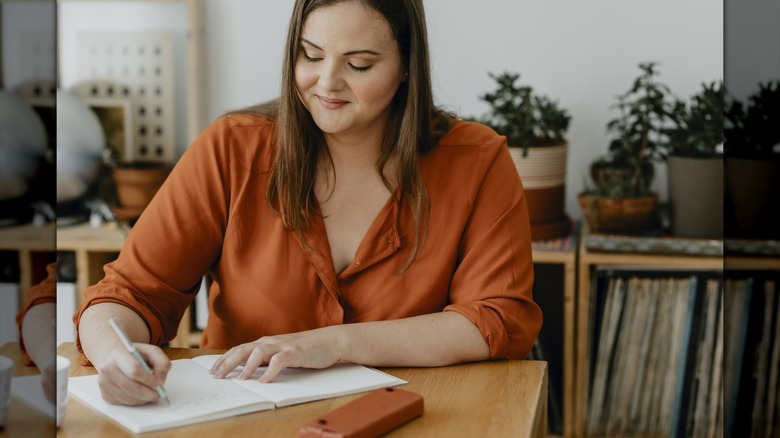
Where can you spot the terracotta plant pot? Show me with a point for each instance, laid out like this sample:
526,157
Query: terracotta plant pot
138,182
543,172
618,214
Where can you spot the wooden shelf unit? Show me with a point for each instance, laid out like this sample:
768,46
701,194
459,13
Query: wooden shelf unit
568,260
34,246
589,260
94,247
752,263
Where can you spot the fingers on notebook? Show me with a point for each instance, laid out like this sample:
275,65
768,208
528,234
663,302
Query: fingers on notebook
255,359
278,362
238,355
118,388
220,367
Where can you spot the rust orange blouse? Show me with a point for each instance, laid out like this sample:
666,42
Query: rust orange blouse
43,292
211,215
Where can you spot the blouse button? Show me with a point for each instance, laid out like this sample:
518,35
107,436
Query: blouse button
357,262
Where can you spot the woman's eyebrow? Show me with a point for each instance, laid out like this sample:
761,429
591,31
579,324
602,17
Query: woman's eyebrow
350,53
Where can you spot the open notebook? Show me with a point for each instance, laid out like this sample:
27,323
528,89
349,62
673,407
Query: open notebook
196,396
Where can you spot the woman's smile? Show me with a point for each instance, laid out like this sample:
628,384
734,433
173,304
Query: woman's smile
331,104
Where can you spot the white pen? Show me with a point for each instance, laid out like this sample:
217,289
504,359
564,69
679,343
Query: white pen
134,351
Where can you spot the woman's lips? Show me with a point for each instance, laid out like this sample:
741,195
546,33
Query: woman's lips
331,103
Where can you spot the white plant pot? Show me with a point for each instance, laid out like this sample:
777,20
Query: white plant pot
543,173
543,167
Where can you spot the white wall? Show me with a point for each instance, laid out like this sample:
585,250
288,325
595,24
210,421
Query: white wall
752,45
27,41
581,53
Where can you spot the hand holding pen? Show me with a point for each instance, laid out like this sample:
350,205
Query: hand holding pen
131,348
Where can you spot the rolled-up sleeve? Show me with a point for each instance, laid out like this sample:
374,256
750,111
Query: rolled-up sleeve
41,293
175,241
493,280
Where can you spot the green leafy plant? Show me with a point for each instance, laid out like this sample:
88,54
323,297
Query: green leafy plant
628,168
752,130
525,118
697,128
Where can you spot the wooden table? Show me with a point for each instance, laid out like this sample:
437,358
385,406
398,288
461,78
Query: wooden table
495,399
24,420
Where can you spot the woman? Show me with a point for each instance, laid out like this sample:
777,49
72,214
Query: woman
37,330
347,221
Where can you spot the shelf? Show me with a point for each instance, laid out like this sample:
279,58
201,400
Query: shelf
83,237
96,246
27,237
33,245
643,261
754,263
564,252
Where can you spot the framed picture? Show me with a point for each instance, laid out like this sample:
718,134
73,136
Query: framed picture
116,118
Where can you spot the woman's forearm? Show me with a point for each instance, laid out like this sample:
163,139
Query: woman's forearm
98,338
429,340
38,333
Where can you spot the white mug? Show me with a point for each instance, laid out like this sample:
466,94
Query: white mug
63,369
6,369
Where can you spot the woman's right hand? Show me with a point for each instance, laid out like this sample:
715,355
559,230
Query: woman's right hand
123,380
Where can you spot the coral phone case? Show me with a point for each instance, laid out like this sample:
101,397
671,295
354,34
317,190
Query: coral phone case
372,415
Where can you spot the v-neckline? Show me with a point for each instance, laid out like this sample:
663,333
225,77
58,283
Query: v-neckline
385,217
380,241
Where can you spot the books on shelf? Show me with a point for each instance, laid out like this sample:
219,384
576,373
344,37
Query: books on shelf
738,299
655,354
706,360
197,397
614,300
565,243
760,370
754,403
772,411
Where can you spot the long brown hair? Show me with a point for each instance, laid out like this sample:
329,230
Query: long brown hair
414,127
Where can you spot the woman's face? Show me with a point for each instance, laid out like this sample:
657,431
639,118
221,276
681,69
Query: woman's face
348,68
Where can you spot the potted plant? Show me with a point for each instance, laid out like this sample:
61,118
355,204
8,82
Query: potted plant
695,164
752,164
620,198
535,128
135,183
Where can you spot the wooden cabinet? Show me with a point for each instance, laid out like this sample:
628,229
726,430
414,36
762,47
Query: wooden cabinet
34,247
561,256
588,261
93,248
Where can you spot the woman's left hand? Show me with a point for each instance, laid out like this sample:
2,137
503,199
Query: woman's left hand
310,349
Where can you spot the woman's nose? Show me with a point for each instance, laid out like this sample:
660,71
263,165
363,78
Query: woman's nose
331,78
